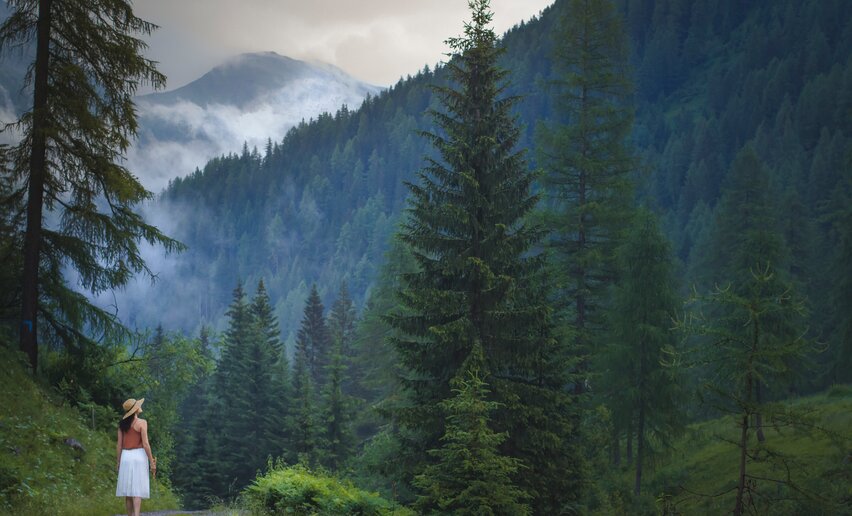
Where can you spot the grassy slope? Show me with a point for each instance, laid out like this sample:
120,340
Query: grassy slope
704,462
39,473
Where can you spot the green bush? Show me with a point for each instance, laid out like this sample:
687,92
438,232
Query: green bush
297,490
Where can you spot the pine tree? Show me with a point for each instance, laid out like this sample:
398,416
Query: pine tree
471,476
231,398
639,390
742,330
88,65
313,338
476,282
309,379
587,160
341,327
303,425
338,441
270,374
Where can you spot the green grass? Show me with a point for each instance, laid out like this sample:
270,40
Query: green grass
699,474
39,473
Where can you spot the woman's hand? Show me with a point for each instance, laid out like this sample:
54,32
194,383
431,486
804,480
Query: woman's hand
153,467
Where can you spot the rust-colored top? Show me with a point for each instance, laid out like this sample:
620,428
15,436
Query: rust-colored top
132,439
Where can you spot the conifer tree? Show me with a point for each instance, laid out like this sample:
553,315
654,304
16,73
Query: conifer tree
67,162
745,240
313,338
585,153
338,440
740,327
303,426
270,376
471,475
341,328
476,282
231,396
639,390
309,376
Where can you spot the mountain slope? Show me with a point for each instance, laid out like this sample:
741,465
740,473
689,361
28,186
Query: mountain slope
319,205
247,99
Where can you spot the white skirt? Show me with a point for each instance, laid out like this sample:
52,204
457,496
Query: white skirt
133,474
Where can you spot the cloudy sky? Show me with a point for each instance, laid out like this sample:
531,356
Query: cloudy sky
377,41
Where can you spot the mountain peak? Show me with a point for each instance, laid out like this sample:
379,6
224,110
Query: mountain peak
246,79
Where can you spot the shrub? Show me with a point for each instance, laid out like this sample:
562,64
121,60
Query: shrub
297,490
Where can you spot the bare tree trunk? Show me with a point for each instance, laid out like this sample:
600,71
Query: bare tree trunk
749,385
758,418
630,442
738,509
35,190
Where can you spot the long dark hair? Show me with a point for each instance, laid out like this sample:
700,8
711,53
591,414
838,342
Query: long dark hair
125,423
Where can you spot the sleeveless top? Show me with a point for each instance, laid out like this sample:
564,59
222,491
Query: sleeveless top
132,439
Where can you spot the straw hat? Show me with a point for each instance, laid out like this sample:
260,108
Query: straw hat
132,406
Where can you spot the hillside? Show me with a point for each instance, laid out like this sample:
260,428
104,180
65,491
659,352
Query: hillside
697,474
318,206
40,471
245,100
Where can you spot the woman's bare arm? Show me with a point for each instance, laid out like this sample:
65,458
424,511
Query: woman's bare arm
119,440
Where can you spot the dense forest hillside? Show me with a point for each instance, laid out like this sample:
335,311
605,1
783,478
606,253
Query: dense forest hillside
319,205
598,265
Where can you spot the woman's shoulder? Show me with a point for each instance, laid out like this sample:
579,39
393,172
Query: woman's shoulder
140,424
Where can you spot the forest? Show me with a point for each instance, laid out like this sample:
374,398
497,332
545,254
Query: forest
601,264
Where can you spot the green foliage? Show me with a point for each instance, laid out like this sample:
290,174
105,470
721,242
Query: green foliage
471,476
239,418
298,490
644,396
38,468
750,339
585,153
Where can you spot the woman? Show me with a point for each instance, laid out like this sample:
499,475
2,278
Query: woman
133,458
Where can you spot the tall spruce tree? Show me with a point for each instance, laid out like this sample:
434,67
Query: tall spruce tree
338,442
309,376
476,282
303,425
643,395
587,159
336,424
268,372
250,411
231,397
67,162
314,339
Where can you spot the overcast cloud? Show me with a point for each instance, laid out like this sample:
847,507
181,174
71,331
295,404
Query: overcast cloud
377,41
